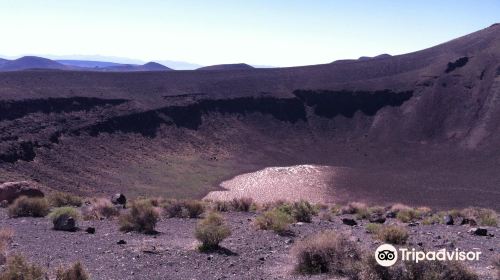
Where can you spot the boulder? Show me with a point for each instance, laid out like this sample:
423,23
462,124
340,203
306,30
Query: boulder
376,218
119,199
390,214
479,231
65,222
90,230
10,191
448,220
349,222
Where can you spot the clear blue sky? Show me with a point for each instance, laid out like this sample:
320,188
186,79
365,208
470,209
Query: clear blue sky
279,33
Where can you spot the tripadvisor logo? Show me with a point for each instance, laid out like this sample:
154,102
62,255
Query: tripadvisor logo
387,255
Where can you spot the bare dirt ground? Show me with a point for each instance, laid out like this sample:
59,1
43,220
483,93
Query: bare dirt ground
248,253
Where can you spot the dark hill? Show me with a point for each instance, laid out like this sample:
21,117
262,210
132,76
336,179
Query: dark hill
421,128
30,62
237,66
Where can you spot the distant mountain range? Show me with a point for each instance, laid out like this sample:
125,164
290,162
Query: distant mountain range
35,62
96,64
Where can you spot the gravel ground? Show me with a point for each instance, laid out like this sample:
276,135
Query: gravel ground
172,254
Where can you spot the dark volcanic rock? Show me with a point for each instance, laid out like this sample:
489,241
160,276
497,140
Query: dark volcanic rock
349,222
448,220
119,199
121,242
479,231
65,223
9,191
90,230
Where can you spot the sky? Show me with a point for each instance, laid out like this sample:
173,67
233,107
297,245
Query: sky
258,32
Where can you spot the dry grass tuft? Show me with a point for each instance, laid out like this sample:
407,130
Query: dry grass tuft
17,268
60,199
211,231
142,218
393,234
100,208
74,272
326,252
29,207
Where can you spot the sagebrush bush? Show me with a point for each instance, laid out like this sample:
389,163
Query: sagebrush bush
184,209
373,228
211,231
221,206
75,272
424,270
483,216
496,264
393,234
66,210
242,204
326,252
100,208
17,268
275,220
29,207
408,215
142,217
60,199
303,211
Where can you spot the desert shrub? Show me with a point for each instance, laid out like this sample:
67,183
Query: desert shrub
398,207
354,208
74,272
221,206
424,211
142,217
17,268
335,209
432,220
29,207
100,208
483,216
154,201
60,199
211,231
66,210
275,220
326,252
438,270
303,211
373,228
184,209
496,264
321,206
393,234
5,238
408,215
275,204
242,204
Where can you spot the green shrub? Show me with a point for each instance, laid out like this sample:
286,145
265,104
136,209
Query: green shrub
326,252
275,220
184,209
141,218
60,199
74,272
408,215
211,231
66,210
29,207
393,234
483,216
303,211
18,269
242,204
100,208
424,270
373,228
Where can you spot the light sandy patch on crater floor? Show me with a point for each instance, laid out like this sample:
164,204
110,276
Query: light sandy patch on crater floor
314,183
